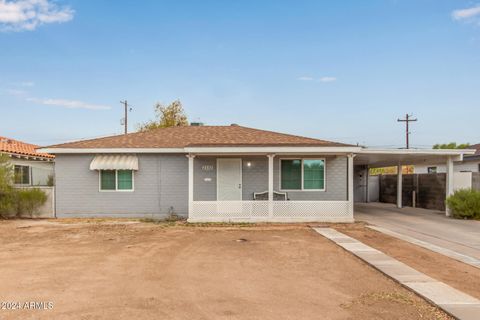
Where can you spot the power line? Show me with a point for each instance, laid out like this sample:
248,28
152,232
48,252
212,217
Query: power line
407,120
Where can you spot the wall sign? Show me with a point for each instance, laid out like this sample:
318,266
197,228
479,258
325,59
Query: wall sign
207,167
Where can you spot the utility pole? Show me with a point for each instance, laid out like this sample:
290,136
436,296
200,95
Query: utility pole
125,119
407,120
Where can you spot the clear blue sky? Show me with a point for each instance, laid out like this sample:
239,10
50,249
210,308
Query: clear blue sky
338,70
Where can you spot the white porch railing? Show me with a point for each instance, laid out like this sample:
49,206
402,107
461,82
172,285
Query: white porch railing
258,211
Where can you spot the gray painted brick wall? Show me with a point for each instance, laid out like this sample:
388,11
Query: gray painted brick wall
174,184
255,179
204,190
160,183
335,183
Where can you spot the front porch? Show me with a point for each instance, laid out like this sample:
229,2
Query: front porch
222,188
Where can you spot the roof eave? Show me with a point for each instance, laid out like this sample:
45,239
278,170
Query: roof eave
29,156
419,151
474,157
209,150
454,154
273,149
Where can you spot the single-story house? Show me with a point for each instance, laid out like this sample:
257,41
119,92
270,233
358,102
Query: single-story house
31,168
470,163
217,173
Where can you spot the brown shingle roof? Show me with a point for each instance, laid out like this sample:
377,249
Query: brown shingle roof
477,148
12,146
190,136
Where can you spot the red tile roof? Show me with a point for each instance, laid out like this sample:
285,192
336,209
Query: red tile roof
12,146
199,136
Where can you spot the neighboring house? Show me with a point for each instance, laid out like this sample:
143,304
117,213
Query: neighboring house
470,163
31,168
217,173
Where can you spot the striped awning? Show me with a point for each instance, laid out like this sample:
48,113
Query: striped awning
114,162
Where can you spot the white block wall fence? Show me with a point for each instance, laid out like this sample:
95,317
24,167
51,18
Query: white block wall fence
47,210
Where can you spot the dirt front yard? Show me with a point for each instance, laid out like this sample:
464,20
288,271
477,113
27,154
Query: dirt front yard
111,270
459,275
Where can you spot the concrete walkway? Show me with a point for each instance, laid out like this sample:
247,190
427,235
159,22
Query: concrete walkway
433,227
452,301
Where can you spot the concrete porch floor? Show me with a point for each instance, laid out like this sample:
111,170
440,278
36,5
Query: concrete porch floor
462,236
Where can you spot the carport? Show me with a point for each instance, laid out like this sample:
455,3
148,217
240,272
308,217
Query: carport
378,158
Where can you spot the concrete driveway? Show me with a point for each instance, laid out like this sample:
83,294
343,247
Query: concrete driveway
462,236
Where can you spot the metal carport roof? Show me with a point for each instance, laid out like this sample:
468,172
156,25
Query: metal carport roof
376,158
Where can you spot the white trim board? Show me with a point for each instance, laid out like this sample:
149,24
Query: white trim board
284,150
111,150
208,150
273,149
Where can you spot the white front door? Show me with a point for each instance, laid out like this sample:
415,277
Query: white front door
229,179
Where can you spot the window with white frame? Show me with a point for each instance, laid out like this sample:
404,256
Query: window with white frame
302,174
21,174
116,180
432,169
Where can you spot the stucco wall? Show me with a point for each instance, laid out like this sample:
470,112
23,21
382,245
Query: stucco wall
476,181
40,170
160,183
47,209
472,166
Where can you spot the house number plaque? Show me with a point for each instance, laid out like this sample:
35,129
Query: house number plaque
207,167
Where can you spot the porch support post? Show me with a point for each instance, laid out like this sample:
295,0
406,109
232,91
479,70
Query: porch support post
270,185
350,183
449,186
191,158
399,186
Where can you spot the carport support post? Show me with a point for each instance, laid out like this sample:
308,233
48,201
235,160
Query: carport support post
350,184
270,185
449,186
190,157
399,186
367,192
